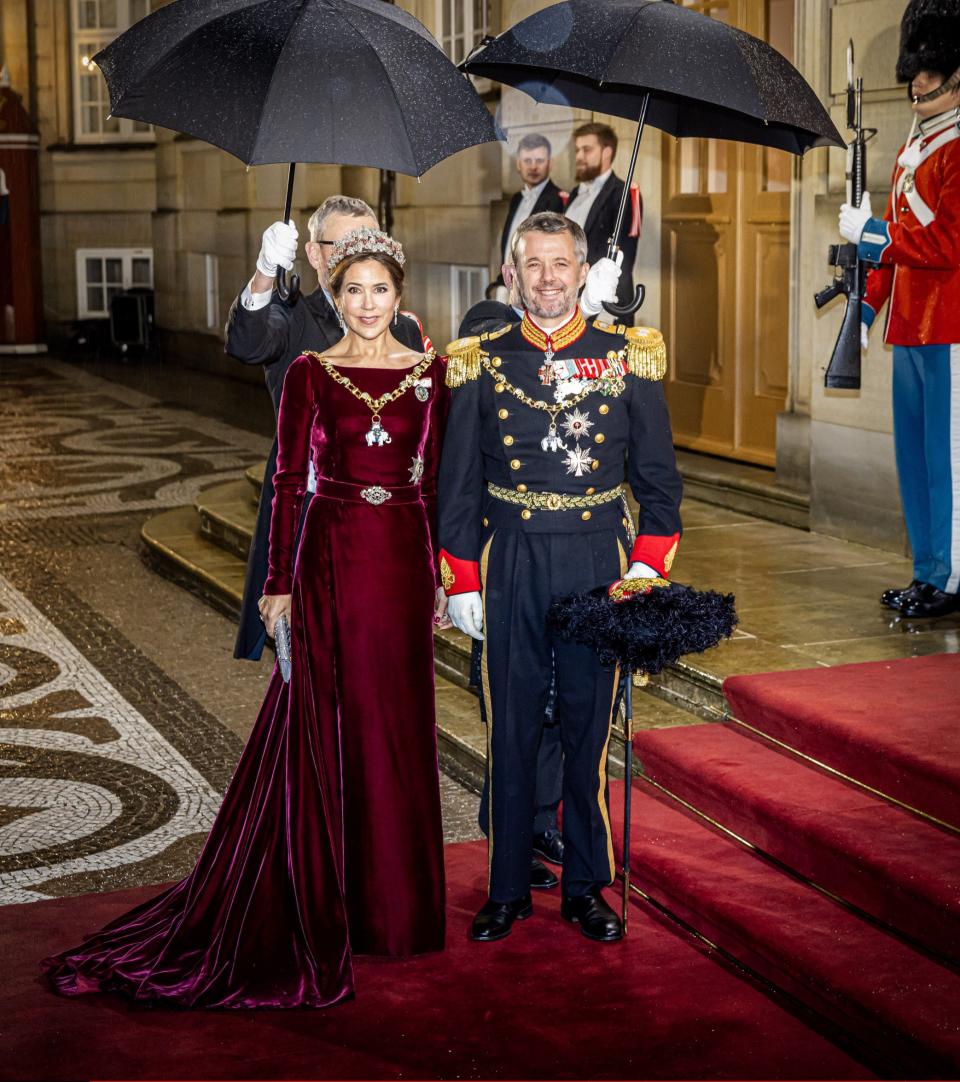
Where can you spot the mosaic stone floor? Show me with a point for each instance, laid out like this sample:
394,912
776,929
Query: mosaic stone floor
122,710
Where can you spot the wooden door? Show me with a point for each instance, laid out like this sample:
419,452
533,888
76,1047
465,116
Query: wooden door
726,249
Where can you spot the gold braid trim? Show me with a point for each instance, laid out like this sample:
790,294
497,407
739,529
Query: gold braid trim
646,353
463,360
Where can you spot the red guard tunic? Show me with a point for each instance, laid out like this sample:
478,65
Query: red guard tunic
917,242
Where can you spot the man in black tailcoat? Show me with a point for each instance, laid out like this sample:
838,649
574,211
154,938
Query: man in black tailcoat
595,200
262,329
539,193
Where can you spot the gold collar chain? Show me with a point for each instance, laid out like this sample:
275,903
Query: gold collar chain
375,405
503,384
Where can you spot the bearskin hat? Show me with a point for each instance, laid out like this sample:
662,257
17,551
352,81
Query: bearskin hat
929,38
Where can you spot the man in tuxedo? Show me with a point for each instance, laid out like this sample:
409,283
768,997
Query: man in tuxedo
534,161
595,200
262,329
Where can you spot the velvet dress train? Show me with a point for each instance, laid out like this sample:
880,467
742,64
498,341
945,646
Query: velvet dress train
329,839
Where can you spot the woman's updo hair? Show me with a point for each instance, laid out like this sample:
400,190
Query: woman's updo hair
366,243
393,268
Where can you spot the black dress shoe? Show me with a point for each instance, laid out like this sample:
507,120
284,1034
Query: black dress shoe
893,598
549,845
495,920
596,919
931,604
541,878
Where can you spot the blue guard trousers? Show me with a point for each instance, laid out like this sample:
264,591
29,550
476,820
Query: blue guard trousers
926,428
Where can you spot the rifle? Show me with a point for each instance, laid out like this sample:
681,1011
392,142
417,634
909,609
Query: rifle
850,274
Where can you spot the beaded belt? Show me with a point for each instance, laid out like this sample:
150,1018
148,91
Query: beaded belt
372,494
553,501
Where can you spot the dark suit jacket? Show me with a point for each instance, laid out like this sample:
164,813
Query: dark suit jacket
274,336
548,199
599,229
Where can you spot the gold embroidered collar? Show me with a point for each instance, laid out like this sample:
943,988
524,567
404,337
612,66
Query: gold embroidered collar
559,338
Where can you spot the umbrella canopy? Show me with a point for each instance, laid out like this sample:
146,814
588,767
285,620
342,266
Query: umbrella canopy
704,78
351,82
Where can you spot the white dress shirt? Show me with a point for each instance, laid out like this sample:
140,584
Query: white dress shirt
528,201
587,191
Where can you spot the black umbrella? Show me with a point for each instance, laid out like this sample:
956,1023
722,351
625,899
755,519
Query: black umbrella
658,63
351,82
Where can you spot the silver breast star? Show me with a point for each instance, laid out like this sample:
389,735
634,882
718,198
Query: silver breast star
416,469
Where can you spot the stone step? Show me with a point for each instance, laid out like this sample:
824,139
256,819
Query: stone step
751,490
254,476
228,516
176,546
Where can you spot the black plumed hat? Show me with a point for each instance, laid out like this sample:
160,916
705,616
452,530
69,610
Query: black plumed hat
644,624
929,38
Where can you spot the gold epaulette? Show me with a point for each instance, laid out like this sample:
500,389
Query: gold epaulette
464,356
645,348
463,360
646,352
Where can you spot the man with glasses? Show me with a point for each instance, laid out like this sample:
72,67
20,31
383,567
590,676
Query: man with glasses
263,329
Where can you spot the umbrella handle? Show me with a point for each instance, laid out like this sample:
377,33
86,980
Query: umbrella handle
288,294
631,307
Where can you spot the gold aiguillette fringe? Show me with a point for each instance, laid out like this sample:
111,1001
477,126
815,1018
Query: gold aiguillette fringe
463,360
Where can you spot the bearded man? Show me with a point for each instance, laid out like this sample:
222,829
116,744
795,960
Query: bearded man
549,416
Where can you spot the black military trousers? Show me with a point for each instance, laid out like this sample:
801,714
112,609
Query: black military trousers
522,574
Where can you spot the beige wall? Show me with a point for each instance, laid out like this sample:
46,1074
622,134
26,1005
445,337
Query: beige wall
843,438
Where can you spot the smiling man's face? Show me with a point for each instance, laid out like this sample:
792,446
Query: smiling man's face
549,277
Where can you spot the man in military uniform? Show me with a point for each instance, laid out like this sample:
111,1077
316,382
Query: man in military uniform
916,245
548,416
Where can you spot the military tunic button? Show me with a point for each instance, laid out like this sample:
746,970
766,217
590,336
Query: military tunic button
503,414
595,465
591,490
526,513
496,362
604,408
599,438
586,516
486,522
521,488
514,465
499,388
508,440
625,523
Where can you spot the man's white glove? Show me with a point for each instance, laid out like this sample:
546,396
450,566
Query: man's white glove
638,570
466,613
278,248
853,219
601,285
864,336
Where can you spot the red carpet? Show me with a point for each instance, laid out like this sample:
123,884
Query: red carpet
901,869
893,725
545,1003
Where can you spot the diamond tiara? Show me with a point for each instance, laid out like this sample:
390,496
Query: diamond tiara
365,241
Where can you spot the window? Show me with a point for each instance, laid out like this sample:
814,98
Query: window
104,272
467,287
461,24
95,24
211,272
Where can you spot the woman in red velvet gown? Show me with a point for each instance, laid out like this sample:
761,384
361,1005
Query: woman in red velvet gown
329,839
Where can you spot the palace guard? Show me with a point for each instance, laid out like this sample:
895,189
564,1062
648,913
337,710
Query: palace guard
549,415
916,245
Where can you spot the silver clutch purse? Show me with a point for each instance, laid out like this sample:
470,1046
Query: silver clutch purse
281,638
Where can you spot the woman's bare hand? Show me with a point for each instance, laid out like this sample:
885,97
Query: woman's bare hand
440,618
272,608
